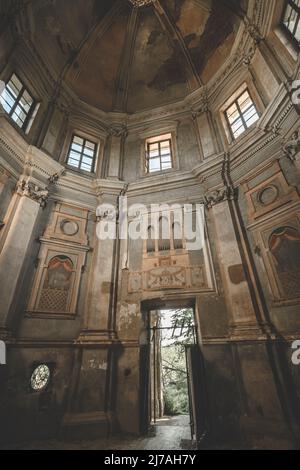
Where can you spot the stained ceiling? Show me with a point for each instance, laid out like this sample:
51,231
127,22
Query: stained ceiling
121,57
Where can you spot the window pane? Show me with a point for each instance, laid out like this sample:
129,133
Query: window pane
88,152
86,167
153,146
253,119
77,148
90,145
239,132
26,101
11,97
153,154
14,85
19,116
291,19
7,101
154,164
234,117
87,160
16,82
159,153
74,158
237,125
165,144
232,112
242,114
244,102
78,140
248,114
166,166
82,154
297,32
165,151
13,90
73,163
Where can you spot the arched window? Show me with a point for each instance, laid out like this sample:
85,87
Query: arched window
151,240
57,284
284,245
164,234
177,235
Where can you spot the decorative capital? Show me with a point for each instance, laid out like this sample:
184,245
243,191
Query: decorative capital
118,131
54,178
141,3
106,213
253,31
34,192
219,195
248,57
203,106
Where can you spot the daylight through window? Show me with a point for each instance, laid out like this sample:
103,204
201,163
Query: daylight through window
241,114
291,19
82,154
17,102
159,154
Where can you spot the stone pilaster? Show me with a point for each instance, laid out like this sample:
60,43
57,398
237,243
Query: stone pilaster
244,318
4,177
117,136
15,242
98,322
97,357
205,130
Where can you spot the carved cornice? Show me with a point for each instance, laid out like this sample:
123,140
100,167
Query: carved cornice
118,130
32,191
212,198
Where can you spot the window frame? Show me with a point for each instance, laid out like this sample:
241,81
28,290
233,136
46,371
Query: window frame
159,156
79,169
17,103
241,114
296,8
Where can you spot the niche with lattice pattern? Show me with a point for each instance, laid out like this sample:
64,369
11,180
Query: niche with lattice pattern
61,260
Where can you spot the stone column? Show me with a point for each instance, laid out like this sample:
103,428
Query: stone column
14,243
244,316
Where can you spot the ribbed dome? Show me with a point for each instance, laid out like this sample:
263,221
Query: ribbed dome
119,57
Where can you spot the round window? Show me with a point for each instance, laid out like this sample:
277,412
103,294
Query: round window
40,377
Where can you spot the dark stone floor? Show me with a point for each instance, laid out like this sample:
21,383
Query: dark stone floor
168,434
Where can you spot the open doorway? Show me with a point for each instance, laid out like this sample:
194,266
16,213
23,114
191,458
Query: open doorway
172,333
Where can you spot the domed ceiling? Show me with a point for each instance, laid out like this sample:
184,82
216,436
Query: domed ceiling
132,55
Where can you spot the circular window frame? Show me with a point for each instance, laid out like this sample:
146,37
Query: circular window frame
261,193
74,224
44,381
